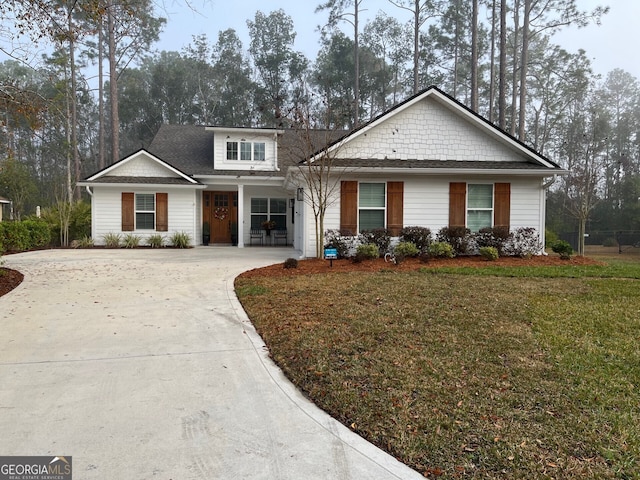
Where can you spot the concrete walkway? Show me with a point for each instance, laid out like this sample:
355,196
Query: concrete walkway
141,364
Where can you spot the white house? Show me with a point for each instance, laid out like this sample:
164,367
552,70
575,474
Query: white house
429,161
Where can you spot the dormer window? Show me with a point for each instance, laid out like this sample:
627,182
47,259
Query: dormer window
246,151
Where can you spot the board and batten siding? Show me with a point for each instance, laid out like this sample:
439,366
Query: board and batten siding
426,204
106,204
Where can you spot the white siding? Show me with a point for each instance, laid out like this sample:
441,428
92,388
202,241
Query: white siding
107,212
426,204
427,131
220,161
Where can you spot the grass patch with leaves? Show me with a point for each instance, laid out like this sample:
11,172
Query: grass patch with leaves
518,375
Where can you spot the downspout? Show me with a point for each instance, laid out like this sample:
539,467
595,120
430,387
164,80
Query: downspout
550,182
275,141
88,189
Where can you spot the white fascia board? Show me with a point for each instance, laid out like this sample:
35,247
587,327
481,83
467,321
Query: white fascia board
262,131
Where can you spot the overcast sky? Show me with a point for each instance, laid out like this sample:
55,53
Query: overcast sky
614,44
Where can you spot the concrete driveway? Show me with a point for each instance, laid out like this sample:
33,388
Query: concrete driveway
141,364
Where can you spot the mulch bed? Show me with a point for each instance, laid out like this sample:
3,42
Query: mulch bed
9,279
340,266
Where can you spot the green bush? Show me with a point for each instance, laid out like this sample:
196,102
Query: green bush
489,253
419,236
381,237
457,237
39,233
131,241
111,240
441,250
79,221
16,236
609,242
406,249
563,249
367,251
155,241
550,237
291,263
180,240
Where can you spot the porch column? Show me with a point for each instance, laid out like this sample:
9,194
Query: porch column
240,216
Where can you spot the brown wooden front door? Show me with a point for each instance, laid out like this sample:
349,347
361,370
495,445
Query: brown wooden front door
220,209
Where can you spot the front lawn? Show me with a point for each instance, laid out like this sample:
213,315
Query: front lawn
486,373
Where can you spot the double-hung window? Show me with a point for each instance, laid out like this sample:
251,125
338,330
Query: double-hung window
479,206
246,151
145,211
371,206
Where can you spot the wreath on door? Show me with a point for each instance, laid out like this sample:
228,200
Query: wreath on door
221,213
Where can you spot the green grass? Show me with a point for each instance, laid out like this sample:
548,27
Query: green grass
525,373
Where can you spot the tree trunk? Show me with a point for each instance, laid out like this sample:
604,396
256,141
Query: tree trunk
474,56
101,134
524,60
514,73
356,52
113,84
492,68
416,45
502,75
74,107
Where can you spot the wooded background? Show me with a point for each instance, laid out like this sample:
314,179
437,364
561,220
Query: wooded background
496,56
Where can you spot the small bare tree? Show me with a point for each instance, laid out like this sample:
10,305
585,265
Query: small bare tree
317,171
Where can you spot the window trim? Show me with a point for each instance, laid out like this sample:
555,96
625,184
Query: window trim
136,211
481,209
268,214
241,147
383,209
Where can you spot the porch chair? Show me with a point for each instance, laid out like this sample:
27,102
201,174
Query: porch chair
280,235
255,233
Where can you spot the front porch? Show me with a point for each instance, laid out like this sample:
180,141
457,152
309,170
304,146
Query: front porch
248,215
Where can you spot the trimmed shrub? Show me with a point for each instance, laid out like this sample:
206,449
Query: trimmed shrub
16,237
367,251
290,263
489,253
180,240
419,236
441,250
378,236
563,249
524,242
111,240
343,241
39,233
155,241
496,237
457,237
406,249
550,237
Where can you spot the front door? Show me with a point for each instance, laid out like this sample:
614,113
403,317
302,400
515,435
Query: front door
220,209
